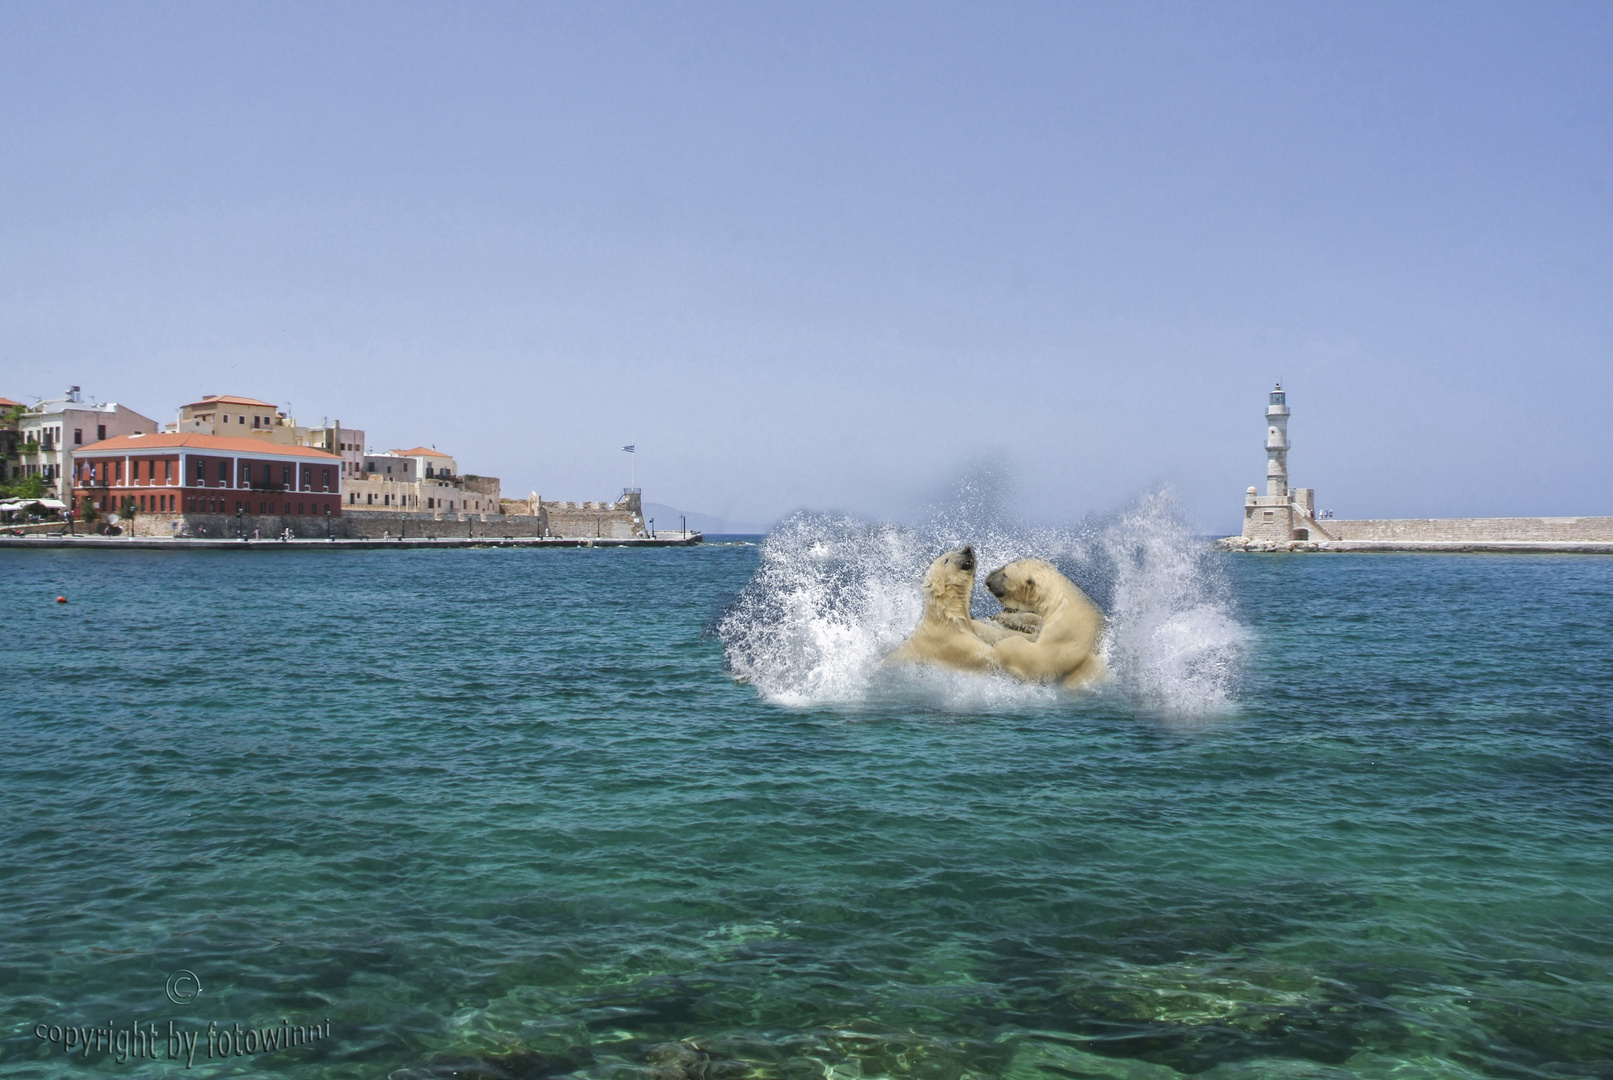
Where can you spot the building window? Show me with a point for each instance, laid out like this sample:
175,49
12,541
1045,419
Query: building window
201,471
285,476
327,479
100,432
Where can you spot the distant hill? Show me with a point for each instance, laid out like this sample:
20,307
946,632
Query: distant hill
666,517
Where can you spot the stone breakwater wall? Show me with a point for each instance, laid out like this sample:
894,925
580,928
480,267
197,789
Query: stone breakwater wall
1441,534
352,525
1565,530
621,520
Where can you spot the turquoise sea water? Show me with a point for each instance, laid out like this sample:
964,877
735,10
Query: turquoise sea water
511,814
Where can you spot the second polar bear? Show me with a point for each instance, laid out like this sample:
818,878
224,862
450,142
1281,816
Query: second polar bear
946,634
1065,650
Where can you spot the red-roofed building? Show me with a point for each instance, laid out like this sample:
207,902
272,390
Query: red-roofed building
194,474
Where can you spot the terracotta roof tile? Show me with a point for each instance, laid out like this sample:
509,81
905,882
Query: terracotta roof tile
230,399
194,441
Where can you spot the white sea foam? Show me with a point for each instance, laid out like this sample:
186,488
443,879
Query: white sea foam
834,594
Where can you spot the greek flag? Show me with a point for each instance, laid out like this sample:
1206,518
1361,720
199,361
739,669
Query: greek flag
627,449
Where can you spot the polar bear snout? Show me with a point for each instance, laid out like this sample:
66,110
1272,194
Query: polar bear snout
966,559
997,582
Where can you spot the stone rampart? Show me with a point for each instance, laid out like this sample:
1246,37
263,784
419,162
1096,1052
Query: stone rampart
619,520
223,526
374,526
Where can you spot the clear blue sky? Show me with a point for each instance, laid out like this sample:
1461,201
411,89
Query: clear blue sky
829,256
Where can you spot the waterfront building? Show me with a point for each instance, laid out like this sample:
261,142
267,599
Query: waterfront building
421,481
346,443
391,466
235,416
52,433
429,462
10,439
190,473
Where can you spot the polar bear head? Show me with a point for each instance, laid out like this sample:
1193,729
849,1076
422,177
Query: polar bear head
1026,584
950,583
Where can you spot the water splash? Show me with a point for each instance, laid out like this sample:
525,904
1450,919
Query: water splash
1172,642
834,594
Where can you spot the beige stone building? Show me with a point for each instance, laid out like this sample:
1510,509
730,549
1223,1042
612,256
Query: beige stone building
236,416
421,481
346,443
50,431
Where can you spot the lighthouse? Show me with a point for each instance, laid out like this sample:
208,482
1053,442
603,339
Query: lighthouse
1282,513
1277,444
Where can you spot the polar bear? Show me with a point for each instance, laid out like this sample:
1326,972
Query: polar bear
946,635
1065,648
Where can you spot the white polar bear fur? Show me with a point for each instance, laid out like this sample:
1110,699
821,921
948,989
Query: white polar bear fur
1066,649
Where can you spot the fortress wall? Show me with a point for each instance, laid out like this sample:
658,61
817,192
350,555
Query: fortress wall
353,524
1473,530
223,526
366,525
592,519
617,521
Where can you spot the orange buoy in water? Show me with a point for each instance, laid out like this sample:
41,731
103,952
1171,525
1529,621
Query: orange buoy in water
61,599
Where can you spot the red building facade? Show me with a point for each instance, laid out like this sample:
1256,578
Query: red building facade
206,474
